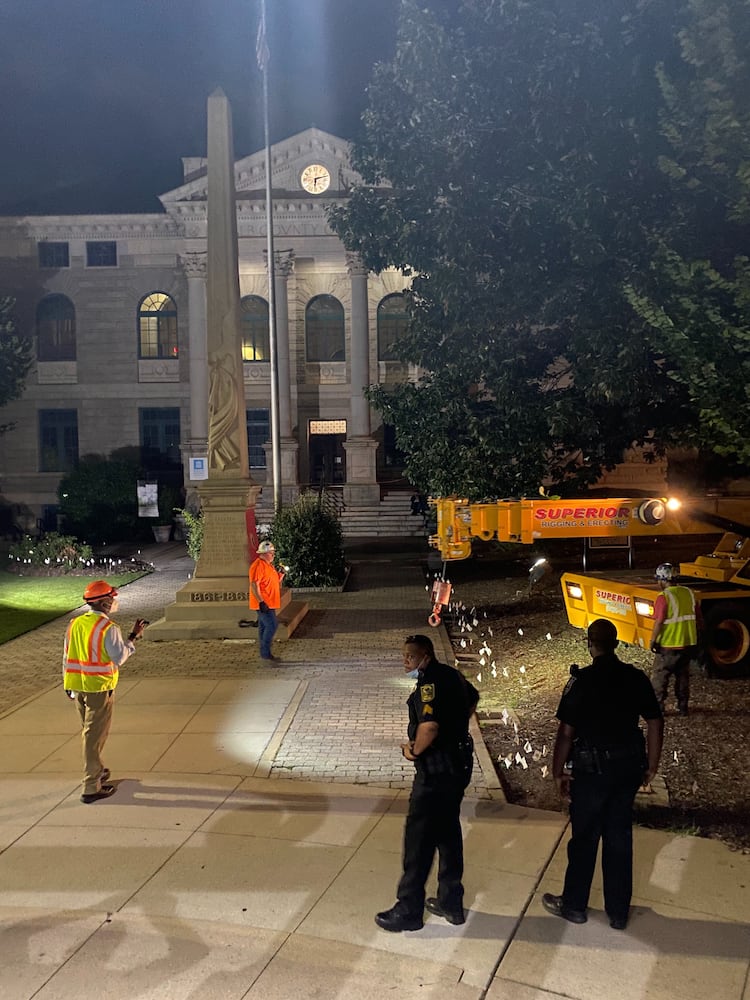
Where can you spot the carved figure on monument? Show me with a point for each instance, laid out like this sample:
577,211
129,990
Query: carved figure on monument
223,414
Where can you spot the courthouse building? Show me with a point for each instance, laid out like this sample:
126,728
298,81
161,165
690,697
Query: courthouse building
116,307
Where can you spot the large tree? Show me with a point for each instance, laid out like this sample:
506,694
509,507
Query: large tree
696,296
15,358
521,142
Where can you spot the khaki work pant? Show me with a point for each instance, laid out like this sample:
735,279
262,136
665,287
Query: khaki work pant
95,710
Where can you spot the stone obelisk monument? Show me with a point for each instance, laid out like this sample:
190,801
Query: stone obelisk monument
215,600
229,490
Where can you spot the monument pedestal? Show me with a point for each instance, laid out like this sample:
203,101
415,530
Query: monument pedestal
209,609
212,604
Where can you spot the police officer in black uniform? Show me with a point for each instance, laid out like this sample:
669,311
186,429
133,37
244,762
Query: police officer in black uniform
443,752
600,738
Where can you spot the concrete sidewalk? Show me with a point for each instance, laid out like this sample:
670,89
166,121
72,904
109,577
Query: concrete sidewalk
257,828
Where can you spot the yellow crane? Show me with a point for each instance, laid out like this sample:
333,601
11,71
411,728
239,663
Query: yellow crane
720,579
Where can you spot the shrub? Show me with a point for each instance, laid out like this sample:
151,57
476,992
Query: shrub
308,540
59,553
98,500
193,530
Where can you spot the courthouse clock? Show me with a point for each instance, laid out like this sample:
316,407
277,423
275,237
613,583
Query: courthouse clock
315,179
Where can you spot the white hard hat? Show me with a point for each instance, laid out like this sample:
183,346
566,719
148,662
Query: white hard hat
665,571
266,547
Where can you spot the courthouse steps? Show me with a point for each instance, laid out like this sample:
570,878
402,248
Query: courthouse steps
391,517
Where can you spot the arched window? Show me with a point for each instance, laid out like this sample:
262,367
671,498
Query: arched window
254,323
157,326
324,329
56,329
393,320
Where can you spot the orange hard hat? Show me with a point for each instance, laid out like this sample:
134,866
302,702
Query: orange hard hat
97,590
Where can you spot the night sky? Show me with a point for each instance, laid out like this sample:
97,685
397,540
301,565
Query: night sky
99,99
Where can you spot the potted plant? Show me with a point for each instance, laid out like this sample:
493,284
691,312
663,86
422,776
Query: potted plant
167,501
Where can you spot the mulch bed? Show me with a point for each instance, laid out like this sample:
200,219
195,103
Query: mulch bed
517,649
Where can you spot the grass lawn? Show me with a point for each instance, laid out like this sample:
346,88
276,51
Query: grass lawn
26,602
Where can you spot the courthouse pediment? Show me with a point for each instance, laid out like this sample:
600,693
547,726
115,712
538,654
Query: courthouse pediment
288,159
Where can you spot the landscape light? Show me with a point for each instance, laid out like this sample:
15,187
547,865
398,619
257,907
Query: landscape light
537,571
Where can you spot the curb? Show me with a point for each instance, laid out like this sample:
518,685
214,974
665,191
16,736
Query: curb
489,773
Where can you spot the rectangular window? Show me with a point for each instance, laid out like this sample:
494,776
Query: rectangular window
258,433
101,253
53,254
160,438
58,440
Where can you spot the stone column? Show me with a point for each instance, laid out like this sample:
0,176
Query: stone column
283,267
361,480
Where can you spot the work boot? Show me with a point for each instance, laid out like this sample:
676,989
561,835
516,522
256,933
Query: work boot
452,916
104,793
396,919
554,904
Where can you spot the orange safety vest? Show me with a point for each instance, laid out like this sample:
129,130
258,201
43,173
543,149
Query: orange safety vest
88,666
680,628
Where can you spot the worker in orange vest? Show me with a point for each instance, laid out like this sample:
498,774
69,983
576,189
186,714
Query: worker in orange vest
94,651
265,596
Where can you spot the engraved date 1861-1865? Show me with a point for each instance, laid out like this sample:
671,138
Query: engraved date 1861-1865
218,595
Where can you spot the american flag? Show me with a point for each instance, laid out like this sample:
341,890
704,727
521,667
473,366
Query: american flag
262,53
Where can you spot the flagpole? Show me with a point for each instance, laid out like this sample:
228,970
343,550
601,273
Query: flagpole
262,54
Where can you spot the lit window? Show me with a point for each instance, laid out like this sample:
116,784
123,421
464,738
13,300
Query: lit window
254,322
157,327
328,426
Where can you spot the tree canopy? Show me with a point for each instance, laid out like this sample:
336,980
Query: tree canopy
696,295
15,358
511,165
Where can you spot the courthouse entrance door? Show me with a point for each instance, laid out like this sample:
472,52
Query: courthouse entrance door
327,455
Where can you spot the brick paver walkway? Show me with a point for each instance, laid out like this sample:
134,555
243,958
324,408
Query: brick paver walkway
346,655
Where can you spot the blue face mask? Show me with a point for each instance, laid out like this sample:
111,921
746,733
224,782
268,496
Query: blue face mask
414,674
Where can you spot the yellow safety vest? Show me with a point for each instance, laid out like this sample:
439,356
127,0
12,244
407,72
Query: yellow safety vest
87,663
680,628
